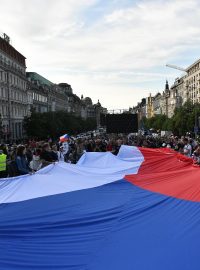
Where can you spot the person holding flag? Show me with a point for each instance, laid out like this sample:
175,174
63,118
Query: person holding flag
65,146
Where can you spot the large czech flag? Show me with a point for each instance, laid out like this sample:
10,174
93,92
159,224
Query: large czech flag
139,210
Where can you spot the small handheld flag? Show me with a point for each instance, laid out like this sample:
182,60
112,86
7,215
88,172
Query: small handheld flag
64,138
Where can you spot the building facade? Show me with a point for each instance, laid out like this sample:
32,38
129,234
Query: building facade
47,96
13,90
192,82
183,89
170,99
157,104
140,109
177,96
22,91
39,96
87,108
90,110
149,106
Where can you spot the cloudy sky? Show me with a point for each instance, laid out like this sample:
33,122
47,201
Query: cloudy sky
112,50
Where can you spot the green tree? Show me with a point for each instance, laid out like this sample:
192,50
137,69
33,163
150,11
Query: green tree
183,120
54,124
157,122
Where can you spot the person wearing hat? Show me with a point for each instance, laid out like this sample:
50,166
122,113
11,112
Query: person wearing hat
3,171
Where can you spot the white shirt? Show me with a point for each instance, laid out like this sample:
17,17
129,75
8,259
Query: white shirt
60,156
187,150
36,163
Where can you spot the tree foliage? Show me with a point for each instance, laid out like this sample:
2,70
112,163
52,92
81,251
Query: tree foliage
55,124
184,120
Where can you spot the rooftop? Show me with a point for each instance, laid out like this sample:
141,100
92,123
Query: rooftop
8,49
191,66
37,77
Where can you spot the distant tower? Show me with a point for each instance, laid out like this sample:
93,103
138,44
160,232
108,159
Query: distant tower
166,86
98,112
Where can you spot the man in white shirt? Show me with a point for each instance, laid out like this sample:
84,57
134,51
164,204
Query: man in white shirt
65,150
187,150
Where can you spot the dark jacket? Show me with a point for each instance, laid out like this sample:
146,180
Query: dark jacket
22,165
54,156
47,156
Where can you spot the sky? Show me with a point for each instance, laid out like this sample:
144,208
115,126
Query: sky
112,50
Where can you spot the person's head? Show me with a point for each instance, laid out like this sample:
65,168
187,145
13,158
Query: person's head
185,140
37,144
46,147
37,152
182,138
98,141
21,150
119,142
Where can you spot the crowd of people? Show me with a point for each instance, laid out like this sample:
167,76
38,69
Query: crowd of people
28,158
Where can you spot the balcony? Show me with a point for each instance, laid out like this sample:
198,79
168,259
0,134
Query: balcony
10,68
